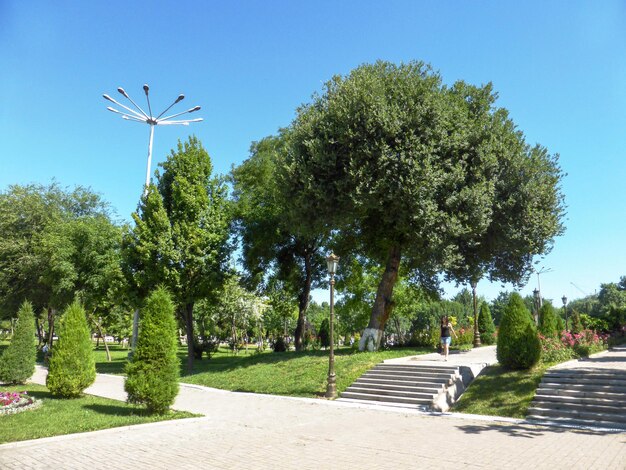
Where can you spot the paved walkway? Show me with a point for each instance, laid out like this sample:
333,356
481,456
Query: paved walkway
243,430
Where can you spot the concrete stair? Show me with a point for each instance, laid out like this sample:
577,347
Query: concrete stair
415,386
581,397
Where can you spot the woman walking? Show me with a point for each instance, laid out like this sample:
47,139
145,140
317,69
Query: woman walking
446,329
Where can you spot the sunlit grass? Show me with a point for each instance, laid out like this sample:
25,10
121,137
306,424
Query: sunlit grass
56,416
501,392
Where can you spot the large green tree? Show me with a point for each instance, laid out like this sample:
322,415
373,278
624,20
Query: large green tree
405,168
28,216
272,245
181,232
510,205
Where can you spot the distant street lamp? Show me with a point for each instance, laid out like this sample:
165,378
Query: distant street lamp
331,389
142,116
564,300
537,298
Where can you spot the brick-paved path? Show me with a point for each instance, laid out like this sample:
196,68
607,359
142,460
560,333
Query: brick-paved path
258,431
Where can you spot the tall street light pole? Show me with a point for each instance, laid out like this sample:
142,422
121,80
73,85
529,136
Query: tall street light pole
541,271
139,115
331,389
537,298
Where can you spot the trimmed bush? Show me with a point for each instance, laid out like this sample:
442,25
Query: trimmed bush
518,343
17,363
485,325
72,365
324,333
152,376
279,345
548,324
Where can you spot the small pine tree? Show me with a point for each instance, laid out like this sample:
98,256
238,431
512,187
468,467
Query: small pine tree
576,325
72,365
17,363
485,325
152,376
560,325
548,323
518,343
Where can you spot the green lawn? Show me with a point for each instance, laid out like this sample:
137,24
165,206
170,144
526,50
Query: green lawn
56,416
301,374
500,392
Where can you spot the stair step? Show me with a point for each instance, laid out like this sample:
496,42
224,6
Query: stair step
384,403
577,376
574,414
405,375
578,385
387,398
437,383
391,393
584,381
401,387
603,407
606,393
417,368
574,422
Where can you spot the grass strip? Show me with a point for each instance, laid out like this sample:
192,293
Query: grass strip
501,392
57,416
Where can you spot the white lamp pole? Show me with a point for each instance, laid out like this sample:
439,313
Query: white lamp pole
141,116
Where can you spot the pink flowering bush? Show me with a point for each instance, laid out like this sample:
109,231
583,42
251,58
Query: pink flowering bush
571,345
465,336
14,402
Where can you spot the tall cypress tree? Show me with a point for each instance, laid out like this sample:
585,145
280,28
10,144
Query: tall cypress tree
518,343
72,365
17,363
153,373
485,325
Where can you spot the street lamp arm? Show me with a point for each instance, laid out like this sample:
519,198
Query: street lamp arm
178,100
121,90
135,113
197,108
184,122
132,118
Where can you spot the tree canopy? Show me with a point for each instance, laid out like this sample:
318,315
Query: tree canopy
414,171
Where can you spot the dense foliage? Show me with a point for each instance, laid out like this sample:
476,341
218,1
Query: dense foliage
548,324
72,366
415,173
152,375
17,362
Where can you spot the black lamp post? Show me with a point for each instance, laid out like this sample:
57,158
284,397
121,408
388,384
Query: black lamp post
331,388
564,299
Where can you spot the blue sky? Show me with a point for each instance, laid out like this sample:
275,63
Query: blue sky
559,67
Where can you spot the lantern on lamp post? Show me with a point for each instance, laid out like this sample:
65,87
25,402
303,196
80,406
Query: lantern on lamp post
564,300
331,389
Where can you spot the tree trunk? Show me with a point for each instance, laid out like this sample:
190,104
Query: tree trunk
190,339
476,331
303,303
39,332
51,313
383,305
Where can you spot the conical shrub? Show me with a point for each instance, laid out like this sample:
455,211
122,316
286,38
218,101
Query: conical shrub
518,343
548,324
152,376
72,365
17,363
485,325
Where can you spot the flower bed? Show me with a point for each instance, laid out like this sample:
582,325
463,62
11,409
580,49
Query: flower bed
571,346
16,402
